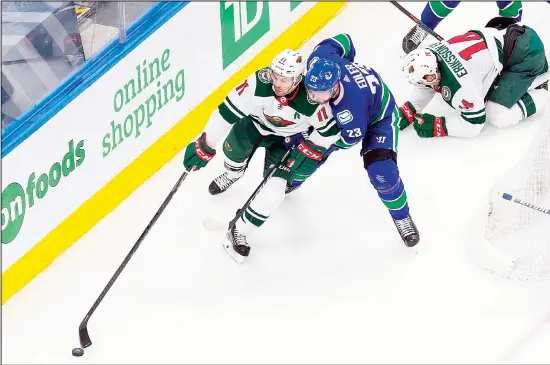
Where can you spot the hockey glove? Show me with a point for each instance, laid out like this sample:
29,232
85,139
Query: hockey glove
295,139
428,126
407,113
305,158
198,153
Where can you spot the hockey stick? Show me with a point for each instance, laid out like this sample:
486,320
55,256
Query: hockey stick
214,225
416,20
83,328
511,198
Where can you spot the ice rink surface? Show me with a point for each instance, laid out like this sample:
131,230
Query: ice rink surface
328,279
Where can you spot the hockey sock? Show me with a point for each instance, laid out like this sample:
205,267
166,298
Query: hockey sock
510,9
234,169
435,11
384,176
267,201
532,101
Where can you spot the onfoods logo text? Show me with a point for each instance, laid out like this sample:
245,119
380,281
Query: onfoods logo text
16,200
243,24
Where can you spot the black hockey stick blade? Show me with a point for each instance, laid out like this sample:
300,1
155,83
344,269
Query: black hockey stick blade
85,340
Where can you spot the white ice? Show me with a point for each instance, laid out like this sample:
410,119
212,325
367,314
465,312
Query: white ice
328,279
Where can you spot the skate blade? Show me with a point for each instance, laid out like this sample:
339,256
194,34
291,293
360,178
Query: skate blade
228,246
214,225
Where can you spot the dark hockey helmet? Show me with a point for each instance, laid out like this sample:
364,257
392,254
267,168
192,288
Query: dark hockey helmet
500,22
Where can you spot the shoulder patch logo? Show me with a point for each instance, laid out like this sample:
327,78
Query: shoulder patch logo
264,76
344,117
446,93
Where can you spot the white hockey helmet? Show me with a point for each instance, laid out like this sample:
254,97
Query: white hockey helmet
418,64
289,63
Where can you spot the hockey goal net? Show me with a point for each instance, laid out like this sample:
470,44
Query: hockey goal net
518,225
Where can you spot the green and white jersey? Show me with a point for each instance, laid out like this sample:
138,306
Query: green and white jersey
469,64
272,115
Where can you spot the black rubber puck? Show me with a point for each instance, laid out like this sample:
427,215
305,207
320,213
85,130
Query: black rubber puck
78,352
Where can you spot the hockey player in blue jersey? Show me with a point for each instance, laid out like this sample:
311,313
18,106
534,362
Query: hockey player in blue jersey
435,11
365,112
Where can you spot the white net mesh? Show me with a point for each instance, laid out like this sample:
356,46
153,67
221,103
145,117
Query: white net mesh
519,236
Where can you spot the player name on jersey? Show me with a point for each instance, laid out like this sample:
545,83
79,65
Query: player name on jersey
450,58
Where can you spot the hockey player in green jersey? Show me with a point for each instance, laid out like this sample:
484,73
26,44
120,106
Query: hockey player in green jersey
497,74
268,107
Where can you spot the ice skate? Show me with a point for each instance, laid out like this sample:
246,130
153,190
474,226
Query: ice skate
413,39
408,231
221,184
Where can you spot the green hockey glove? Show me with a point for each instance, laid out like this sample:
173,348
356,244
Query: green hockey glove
303,160
406,113
428,126
198,153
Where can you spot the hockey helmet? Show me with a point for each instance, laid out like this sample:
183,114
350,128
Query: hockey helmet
286,70
322,75
288,63
418,64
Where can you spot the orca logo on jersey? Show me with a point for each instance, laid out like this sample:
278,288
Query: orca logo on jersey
446,93
278,121
344,117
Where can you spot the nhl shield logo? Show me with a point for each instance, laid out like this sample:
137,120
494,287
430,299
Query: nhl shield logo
446,93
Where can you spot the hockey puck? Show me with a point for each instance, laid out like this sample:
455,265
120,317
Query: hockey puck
78,352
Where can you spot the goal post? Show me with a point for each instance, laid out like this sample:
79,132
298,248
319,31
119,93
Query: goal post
517,231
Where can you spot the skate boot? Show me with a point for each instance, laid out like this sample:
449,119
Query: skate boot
408,231
413,39
237,247
290,188
221,184
543,86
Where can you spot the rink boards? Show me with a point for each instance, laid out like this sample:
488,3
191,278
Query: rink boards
95,151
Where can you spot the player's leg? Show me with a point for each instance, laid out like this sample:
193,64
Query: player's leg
531,103
298,180
380,160
521,89
434,12
266,202
238,146
510,9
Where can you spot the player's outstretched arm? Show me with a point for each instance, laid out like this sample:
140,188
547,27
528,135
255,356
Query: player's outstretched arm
335,48
238,104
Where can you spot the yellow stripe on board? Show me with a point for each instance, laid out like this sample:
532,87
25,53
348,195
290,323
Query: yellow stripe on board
153,158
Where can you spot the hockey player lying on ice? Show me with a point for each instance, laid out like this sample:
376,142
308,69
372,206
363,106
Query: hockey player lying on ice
497,74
